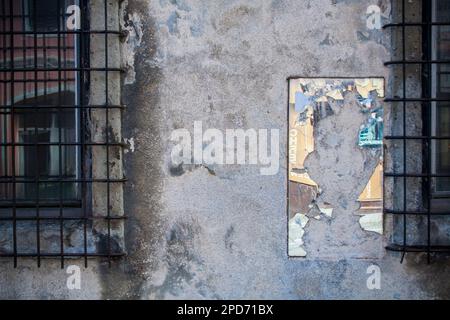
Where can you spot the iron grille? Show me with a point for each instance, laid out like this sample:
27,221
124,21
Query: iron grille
60,144
411,175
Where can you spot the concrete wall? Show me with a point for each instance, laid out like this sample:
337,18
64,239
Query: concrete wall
198,231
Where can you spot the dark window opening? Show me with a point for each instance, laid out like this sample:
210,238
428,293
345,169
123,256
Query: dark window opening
42,16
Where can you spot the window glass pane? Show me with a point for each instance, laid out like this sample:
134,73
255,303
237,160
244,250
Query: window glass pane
39,121
443,149
442,10
441,75
42,16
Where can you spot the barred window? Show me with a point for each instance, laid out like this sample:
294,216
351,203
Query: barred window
60,143
417,169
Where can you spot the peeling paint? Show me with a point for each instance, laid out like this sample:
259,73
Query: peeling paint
372,196
301,144
301,198
335,94
310,101
326,209
301,101
371,201
366,86
296,231
130,145
372,222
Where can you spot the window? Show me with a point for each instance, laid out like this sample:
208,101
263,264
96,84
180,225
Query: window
441,90
39,122
417,168
60,144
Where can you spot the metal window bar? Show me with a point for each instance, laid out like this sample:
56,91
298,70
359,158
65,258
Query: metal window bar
34,66
426,138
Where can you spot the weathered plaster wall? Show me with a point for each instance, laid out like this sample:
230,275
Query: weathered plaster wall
220,231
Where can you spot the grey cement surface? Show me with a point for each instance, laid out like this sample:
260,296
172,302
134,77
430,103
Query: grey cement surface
220,232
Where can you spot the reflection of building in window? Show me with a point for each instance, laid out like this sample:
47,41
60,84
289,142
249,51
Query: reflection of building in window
441,90
40,125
